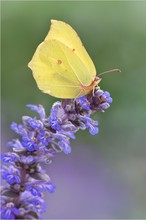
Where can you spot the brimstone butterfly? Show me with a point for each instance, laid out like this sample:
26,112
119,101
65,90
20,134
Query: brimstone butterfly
61,66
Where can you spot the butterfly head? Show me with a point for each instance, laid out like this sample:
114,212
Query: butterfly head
92,86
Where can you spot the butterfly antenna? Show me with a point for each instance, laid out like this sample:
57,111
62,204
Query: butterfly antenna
109,71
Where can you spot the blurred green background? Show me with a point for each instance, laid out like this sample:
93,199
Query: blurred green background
105,176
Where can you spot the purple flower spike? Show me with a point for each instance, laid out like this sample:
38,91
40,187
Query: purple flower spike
40,140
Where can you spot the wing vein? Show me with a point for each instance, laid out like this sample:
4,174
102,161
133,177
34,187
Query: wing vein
70,63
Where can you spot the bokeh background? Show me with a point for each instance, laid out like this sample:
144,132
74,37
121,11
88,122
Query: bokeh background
105,175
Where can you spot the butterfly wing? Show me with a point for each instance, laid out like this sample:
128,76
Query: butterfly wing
60,67
53,73
65,34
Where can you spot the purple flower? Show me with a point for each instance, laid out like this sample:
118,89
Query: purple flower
69,134
90,124
65,146
9,211
39,109
37,187
35,124
34,189
59,120
9,157
104,96
83,101
37,204
30,143
100,101
99,93
44,137
17,145
27,159
11,175
55,122
104,106
33,203
105,99
51,187
107,95
56,116
19,129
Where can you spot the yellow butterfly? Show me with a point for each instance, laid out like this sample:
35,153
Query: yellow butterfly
61,65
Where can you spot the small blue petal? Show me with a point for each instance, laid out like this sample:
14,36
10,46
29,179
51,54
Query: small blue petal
34,190
55,123
36,124
92,127
99,93
107,94
44,137
37,187
19,129
9,211
51,187
11,175
56,116
104,106
39,109
30,144
17,146
65,146
110,100
9,157
84,102
93,130
27,160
